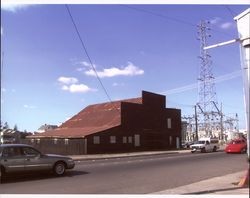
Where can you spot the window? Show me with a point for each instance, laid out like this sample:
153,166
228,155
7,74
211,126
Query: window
96,140
170,140
38,141
214,141
130,140
169,123
30,151
66,141
112,139
124,140
55,141
137,140
12,152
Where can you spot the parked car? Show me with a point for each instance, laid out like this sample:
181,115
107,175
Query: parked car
187,144
236,146
24,158
205,145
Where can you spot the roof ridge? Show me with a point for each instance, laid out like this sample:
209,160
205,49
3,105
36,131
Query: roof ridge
116,101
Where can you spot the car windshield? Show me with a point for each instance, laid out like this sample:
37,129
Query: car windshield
236,142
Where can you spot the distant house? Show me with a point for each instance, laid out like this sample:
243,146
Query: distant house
45,127
127,125
9,136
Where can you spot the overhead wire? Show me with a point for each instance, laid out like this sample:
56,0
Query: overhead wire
169,18
159,15
232,13
86,52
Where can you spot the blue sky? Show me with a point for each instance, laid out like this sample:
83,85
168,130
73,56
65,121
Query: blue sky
47,77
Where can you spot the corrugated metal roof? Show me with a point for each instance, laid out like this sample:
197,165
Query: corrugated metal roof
92,119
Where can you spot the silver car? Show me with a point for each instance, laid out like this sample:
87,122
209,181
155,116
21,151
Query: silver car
25,158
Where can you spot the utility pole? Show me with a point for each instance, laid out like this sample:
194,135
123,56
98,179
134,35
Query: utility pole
221,123
206,85
196,123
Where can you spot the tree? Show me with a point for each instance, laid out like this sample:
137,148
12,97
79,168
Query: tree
6,125
15,128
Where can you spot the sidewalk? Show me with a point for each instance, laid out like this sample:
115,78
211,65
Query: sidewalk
224,185
131,154
120,155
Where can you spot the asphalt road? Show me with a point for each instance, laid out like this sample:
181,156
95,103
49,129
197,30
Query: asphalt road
132,175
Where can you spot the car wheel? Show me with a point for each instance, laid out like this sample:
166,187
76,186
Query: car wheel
59,168
243,150
214,149
203,150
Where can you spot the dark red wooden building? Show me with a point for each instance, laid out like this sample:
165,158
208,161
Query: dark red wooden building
136,124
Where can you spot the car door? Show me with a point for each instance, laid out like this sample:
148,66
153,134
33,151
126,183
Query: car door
12,159
34,160
208,146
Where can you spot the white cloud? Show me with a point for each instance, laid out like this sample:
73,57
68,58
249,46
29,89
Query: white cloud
115,84
85,64
227,25
77,88
71,85
67,80
215,20
129,70
14,7
219,23
80,69
29,106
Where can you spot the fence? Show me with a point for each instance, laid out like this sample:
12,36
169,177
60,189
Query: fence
59,146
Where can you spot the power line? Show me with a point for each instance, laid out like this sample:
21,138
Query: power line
170,18
232,13
180,104
86,52
160,15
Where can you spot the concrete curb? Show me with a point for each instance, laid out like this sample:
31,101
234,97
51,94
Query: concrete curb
123,155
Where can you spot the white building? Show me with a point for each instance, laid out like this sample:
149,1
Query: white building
243,25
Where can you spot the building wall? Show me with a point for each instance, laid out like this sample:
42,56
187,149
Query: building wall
147,126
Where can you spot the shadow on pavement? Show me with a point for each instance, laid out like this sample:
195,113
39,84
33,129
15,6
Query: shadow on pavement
14,178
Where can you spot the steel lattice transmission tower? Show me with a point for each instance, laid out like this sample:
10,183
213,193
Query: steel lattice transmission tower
208,113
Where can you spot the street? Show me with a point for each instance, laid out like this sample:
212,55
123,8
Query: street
136,175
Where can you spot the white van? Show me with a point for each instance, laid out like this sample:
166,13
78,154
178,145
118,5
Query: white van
205,145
